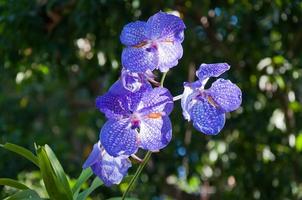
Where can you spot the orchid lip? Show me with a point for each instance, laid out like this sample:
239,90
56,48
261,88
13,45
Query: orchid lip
202,94
153,43
135,124
135,118
135,121
143,43
211,101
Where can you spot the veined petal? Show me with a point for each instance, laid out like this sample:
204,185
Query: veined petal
164,25
133,33
117,88
157,100
93,156
211,70
118,138
207,118
225,94
168,53
111,170
133,81
155,133
139,59
119,102
113,106
134,98
188,96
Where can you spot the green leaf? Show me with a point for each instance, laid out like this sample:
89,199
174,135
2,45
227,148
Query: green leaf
84,176
95,184
22,152
24,195
13,183
53,175
59,171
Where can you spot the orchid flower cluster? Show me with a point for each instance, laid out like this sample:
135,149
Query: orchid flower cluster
138,113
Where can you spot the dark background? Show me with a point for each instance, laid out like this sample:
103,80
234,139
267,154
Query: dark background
57,56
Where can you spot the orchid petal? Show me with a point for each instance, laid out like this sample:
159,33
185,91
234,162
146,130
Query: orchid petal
156,101
207,118
211,70
118,138
155,133
164,25
133,33
139,59
225,94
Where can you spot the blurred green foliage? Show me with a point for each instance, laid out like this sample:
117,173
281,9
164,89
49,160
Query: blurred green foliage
57,56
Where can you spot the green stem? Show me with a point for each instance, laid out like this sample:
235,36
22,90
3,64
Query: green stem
163,79
137,173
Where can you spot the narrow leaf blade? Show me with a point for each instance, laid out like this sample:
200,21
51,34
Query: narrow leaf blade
22,152
84,176
58,169
56,189
13,183
95,184
24,194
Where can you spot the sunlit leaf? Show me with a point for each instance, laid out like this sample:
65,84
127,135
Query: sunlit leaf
53,175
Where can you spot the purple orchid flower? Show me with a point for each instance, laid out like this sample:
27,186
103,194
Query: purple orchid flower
135,119
207,107
111,170
133,81
155,44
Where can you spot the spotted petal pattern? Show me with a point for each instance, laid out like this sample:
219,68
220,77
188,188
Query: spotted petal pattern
206,118
112,106
118,138
163,25
211,70
139,59
119,102
156,101
134,33
207,107
155,133
155,44
226,95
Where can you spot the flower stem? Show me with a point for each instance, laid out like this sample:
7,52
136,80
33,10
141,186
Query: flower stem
163,79
178,97
137,173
